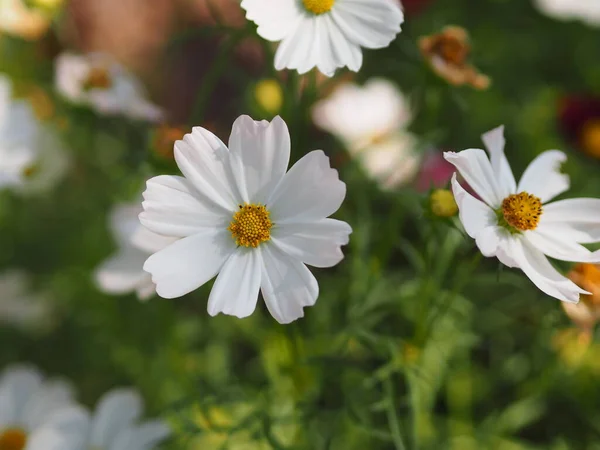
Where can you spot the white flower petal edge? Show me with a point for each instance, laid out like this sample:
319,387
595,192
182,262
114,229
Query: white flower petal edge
559,230
114,425
123,272
329,40
218,183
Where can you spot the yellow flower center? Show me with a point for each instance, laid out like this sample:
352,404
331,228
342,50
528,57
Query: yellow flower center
98,78
522,211
12,439
590,137
443,203
318,6
251,225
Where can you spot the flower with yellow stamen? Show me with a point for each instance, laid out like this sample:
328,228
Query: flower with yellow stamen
326,34
240,215
515,223
33,401
98,81
447,52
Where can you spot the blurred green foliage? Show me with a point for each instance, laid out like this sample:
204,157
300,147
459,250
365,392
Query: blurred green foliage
416,342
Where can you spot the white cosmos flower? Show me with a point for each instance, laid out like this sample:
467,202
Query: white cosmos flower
32,157
27,405
587,11
515,222
240,215
326,34
371,121
115,425
18,306
100,82
123,272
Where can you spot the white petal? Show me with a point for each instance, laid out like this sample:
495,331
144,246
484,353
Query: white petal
275,19
494,142
51,397
142,437
287,285
190,262
172,207
488,240
315,243
561,246
204,161
476,169
68,429
296,50
368,23
116,411
146,289
260,154
149,242
539,270
235,291
542,177
579,217
311,190
124,222
346,52
17,385
121,273
474,214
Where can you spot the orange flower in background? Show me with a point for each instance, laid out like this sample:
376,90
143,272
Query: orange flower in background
579,121
586,313
164,137
447,53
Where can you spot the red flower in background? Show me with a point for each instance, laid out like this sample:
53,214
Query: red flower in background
435,172
579,121
412,7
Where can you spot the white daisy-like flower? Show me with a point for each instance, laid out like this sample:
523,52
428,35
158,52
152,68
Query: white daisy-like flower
241,216
27,405
123,272
327,34
32,157
587,11
515,222
18,306
98,81
115,425
371,121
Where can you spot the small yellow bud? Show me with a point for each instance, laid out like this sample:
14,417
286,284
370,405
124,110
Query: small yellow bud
269,95
442,203
48,4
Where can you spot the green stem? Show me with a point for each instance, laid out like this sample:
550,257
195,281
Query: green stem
392,416
212,76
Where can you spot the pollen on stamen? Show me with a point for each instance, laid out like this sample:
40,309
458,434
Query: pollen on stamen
522,211
251,225
97,78
318,6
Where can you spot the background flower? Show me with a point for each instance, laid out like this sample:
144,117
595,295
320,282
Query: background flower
123,272
371,122
417,340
